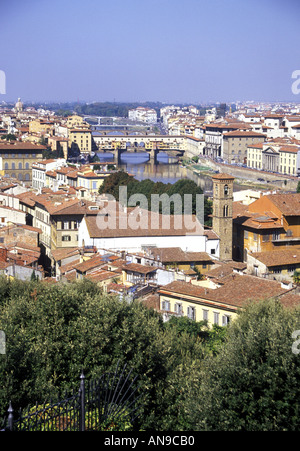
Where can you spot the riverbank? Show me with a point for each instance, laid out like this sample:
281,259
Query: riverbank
245,178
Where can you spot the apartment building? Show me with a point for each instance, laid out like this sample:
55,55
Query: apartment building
218,306
40,168
17,158
143,114
235,145
275,157
270,223
214,136
80,140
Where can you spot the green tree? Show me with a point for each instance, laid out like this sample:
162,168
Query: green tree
54,332
253,381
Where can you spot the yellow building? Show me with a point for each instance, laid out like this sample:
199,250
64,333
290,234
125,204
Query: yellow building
90,180
80,139
216,306
272,222
273,157
16,159
41,127
175,257
76,121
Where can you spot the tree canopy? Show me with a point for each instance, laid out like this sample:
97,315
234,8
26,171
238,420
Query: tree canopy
148,187
240,377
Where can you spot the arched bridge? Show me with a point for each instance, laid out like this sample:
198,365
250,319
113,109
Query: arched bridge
134,143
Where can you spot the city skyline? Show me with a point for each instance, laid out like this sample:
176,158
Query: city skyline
166,51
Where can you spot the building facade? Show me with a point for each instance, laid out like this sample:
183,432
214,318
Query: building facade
17,158
222,212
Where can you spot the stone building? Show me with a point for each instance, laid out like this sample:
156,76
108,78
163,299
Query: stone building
222,212
17,157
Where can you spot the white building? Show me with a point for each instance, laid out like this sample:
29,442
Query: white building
138,229
40,168
143,114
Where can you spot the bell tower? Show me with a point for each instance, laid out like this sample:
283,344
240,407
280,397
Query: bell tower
222,212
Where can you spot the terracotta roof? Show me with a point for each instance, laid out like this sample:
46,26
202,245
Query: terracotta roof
89,264
288,204
223,176
60,254
136,267
278,257
236,291
149,226
245,133
20,145
176,254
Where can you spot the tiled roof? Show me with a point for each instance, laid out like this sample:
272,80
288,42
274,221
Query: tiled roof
176,254
278,257
147,228
235,292
288,204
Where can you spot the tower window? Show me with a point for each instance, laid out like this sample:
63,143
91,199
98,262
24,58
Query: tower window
225,210
226,190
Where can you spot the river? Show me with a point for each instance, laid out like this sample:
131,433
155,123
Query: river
166,170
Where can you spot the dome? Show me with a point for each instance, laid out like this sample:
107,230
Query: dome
19,105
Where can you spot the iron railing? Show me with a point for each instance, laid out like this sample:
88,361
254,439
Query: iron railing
109,403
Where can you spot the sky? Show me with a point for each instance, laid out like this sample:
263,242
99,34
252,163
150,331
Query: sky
171,51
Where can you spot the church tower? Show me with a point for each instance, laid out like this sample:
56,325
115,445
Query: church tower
222,213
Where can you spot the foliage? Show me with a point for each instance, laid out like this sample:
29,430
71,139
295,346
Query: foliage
253,381
296,277
148,187
54,332
240,377
9,137
55,417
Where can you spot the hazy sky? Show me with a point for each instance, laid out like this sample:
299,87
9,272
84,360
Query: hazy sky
158,50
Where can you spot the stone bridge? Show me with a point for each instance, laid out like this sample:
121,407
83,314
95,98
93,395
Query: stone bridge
152,144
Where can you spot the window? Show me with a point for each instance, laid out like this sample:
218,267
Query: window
205,315
226,190
225,211
216,318
165,305
191,313
178,308
20,166
66,238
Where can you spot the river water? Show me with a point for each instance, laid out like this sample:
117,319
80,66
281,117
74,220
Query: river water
166,170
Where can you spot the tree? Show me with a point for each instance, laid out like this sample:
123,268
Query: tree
253,382
54,332
298,188
147,187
